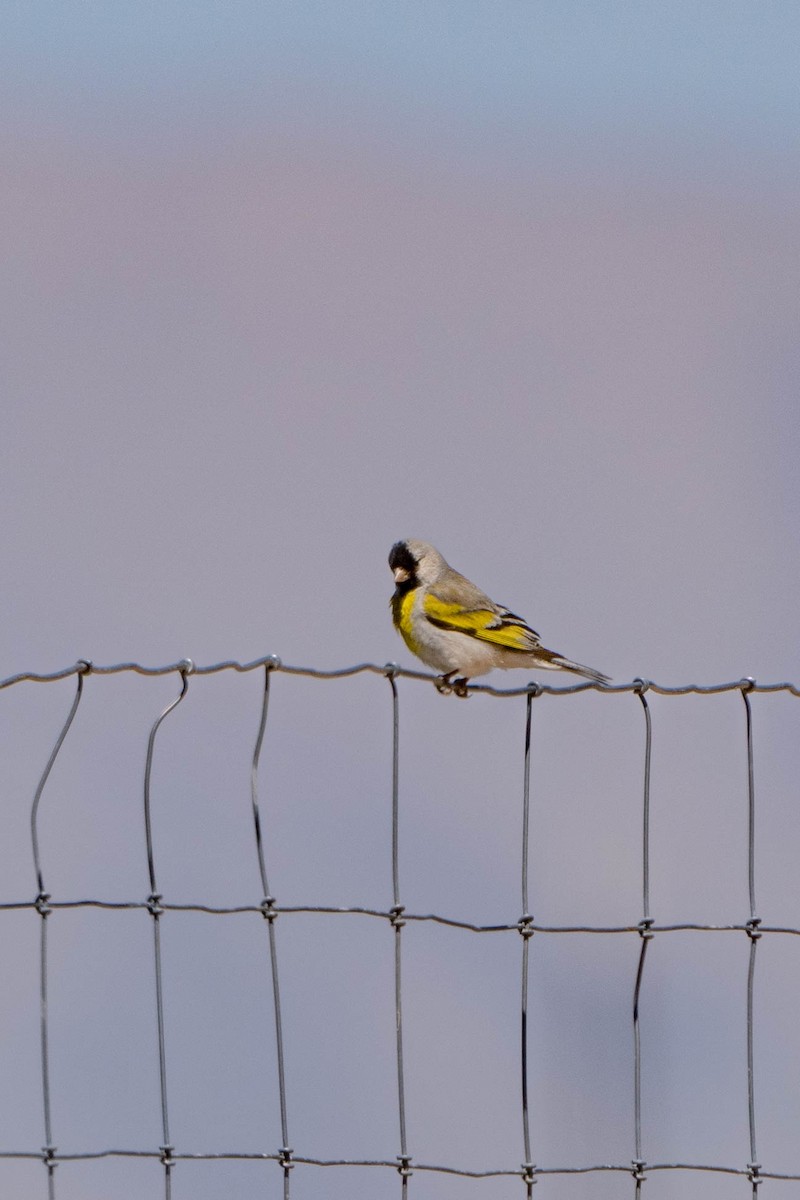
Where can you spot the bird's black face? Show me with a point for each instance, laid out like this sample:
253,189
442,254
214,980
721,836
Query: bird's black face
404,566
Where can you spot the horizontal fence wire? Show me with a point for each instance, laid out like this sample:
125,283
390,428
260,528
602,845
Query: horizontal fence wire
397,917
272,662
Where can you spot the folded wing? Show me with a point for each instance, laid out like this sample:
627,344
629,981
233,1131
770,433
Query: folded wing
489,624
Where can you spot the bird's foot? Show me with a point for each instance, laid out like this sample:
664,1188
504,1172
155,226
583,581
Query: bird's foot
446,685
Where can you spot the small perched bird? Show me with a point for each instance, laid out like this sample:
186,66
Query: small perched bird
455,628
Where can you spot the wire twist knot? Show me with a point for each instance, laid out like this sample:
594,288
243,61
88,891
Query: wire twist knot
528,1170
154,904
285,1158
272,662
186,667
396,915
84,666
391,670
747,685
638,1166
645,928
49,1157
640,686
166,1156
525,926
534,689
268,910
754,1173
43,904
752,930
404,1166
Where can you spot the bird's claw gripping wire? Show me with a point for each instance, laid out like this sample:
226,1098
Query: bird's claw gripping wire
446,685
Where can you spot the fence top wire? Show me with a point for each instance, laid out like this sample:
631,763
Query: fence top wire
430,1168
186,666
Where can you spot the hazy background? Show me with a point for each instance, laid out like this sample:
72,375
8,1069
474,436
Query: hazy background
282,283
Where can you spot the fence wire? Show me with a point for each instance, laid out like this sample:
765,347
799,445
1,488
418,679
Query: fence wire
397,917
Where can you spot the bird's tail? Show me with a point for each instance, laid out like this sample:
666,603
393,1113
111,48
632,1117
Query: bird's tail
565,664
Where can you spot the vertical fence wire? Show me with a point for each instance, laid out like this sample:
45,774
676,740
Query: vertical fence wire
753,933
397,920
44,910
270,913
525,927
84,669
645,934
156,912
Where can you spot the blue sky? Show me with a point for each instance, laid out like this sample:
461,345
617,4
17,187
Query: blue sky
707,72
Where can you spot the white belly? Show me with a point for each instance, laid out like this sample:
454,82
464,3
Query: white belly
445,650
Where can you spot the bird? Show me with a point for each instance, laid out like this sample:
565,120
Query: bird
456,629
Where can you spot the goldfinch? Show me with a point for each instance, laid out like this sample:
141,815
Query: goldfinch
455,628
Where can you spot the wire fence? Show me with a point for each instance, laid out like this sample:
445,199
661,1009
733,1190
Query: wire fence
397,917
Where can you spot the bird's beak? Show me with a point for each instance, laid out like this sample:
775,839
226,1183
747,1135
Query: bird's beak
400,575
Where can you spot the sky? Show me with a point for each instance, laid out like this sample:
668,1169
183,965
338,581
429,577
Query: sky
283,283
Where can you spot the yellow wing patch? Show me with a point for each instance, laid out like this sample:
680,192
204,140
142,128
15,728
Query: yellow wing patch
502,629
